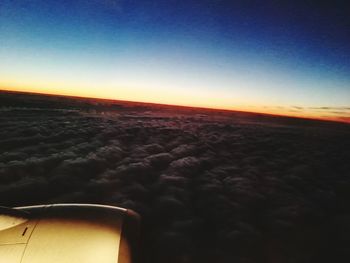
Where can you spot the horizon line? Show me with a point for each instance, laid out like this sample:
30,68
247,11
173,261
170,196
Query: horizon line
330,119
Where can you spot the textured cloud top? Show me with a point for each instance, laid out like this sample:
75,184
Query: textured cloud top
210,187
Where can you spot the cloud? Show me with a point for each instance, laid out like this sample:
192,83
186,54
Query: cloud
214,188
330,108
298,107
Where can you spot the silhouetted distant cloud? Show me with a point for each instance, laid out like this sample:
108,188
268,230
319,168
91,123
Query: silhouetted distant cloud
298,107
329,108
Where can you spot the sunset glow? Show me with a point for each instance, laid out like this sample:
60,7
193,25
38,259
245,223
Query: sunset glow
193,54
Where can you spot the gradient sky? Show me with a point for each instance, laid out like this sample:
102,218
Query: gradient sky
285,57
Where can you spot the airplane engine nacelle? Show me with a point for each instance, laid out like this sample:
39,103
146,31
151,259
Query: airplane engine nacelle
68,233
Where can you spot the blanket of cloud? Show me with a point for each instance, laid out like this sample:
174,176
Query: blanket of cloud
209,187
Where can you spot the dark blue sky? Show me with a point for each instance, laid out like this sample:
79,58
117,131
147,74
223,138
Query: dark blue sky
234,53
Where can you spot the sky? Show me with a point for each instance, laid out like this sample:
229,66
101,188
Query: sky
279,57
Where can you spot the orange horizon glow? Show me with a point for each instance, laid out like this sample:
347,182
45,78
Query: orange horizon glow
177,101
191,58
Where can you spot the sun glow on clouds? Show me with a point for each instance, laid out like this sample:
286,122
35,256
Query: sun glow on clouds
179,97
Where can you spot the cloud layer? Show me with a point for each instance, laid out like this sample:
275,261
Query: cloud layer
209,187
